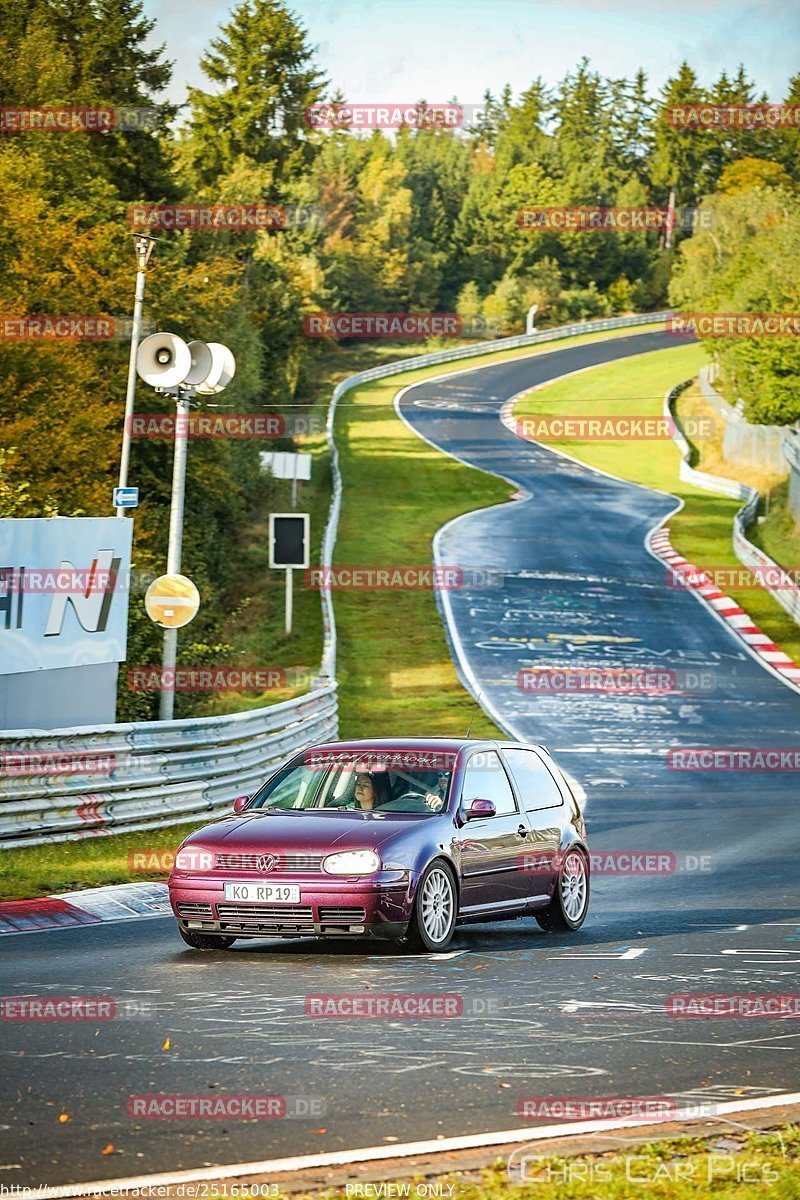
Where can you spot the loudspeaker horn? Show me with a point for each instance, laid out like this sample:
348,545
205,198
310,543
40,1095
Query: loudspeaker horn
222,371
163,360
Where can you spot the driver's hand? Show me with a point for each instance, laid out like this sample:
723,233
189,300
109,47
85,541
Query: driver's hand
433,801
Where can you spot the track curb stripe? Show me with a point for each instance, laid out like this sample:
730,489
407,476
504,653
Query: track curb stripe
728,610
117,902
736,619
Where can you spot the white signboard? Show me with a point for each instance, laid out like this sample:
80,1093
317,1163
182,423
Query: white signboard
285,465
64,589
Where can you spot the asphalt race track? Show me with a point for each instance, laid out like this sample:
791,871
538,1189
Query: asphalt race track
542,1015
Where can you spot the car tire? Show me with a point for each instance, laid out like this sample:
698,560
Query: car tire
567,910
205,941
433,920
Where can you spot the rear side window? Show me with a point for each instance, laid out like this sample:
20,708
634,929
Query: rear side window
485,779
536,785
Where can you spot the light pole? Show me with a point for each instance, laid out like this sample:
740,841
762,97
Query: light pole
166,704
144,248
181,370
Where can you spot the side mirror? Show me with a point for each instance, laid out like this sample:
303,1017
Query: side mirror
240,803
481,808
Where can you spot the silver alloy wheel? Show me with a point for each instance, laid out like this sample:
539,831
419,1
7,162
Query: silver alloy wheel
438,900
573,886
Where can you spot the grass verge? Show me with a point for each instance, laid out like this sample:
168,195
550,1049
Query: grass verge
702,530
730,1166
775,532
90,862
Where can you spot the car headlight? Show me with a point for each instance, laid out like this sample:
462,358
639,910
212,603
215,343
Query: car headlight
352,862
192,858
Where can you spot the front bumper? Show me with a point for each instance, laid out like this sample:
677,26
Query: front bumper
328,907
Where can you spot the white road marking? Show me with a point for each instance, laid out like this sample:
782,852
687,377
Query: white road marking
763,951
365,1154
585,955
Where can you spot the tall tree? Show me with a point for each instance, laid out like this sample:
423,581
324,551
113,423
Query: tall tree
682,155
262,65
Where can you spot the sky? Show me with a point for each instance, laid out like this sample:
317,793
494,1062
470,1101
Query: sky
382,50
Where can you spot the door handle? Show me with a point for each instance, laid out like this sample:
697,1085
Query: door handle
522,830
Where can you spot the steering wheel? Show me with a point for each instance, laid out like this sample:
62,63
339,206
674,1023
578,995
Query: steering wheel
422,800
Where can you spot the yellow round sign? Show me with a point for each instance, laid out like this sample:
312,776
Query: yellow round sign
172,601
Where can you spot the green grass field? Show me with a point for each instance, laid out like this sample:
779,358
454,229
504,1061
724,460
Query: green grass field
702,530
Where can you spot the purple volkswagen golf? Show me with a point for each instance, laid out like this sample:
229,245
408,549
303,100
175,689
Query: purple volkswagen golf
399,839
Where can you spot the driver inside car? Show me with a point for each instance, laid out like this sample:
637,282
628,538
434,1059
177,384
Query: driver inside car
371,790
433,794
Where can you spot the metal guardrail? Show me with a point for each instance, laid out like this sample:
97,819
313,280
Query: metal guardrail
161,773
786,591
145,775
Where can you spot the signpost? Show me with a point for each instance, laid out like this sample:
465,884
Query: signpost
172,601
286,465
126,497
289,549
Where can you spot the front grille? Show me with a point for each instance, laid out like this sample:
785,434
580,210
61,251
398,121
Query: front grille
195,911
279,913
283,862
347,915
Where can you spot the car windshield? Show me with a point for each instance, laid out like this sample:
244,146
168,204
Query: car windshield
358,785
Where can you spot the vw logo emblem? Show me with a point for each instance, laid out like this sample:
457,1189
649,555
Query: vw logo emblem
267,862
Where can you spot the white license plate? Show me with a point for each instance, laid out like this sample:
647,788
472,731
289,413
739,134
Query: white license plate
263,893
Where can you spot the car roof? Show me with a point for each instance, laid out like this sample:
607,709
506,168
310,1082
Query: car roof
419,743
404,743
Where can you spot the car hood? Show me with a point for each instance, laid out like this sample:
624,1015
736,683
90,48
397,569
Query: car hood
305,832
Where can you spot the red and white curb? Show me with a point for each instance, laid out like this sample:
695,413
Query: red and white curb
119,902
734,616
